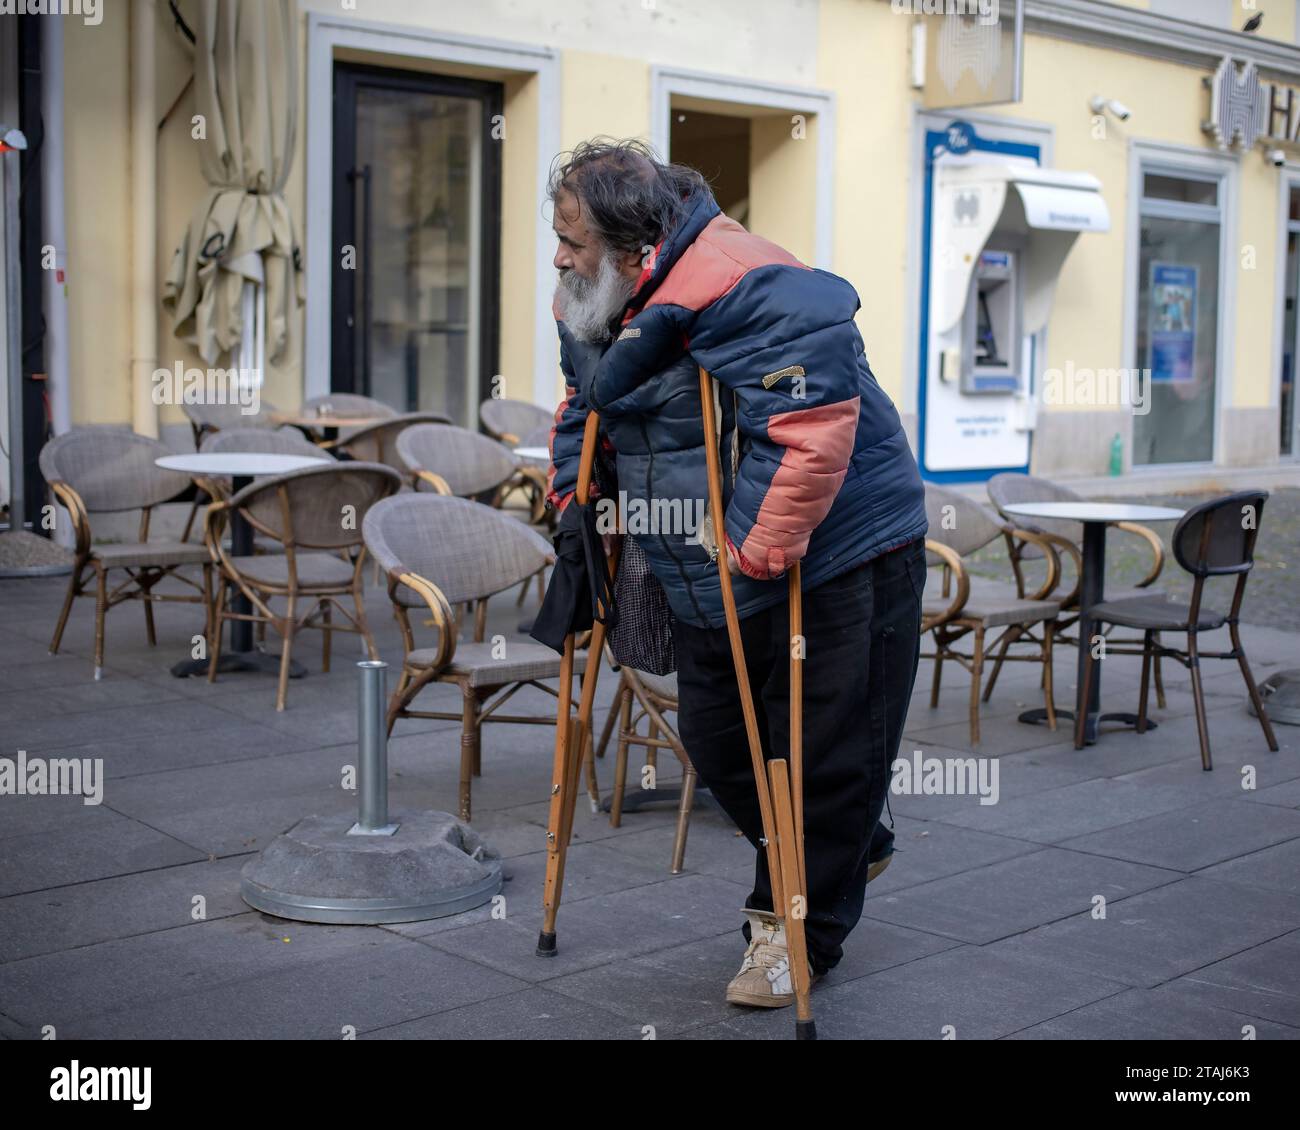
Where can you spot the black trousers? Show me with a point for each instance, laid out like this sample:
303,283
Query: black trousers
863,632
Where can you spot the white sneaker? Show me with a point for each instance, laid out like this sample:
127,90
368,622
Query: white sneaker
764,979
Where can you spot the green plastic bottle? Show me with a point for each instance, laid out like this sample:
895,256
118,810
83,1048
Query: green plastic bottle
1116,456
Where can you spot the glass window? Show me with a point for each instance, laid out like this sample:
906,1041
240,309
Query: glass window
1185,190
1177,335
1286,401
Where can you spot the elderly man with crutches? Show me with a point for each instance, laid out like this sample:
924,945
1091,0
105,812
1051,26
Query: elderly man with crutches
663,298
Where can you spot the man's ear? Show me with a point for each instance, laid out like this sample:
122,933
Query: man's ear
632,263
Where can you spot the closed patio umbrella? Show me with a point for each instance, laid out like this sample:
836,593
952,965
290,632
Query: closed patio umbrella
236,277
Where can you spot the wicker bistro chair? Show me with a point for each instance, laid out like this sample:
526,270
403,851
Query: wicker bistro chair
510,421
439,552
958,604
1211,539
377,442
1067,538
449,460
642,695
455,461
205,419
318,508
93,470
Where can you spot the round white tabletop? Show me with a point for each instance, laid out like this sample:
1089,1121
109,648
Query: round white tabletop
1094,511
245,464
537,454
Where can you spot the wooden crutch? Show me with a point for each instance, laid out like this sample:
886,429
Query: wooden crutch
572,735
779,782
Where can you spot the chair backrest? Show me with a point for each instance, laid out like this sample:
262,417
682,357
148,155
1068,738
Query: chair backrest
111,469
349,404
1218,536
326,505
469,551
1011,487
502,417
470,463
263,441
377,442
222,417
958,522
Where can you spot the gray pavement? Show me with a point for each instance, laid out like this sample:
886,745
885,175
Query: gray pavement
1116,892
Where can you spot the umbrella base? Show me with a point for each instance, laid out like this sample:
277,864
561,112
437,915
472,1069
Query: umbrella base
431,866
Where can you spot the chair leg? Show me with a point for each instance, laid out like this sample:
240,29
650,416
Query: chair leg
1256,701
523,592
101,608
74,582
976,672
214,641
1198,697
207,603
469,747
286,651
610,718
364,624
683,818
327,635
1008,638
1146,678
1160,682
620,761
1049,699
146,588
938,673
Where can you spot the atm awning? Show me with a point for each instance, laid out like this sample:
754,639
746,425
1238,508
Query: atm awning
1047,207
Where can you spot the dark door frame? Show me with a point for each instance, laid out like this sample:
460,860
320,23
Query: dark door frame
346,180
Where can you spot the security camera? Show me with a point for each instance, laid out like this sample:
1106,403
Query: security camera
1275,157
1116,107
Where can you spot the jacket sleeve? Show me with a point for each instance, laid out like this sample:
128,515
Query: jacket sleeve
782,341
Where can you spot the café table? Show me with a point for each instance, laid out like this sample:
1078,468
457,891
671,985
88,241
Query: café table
325,423
1095,516
241,467
534,454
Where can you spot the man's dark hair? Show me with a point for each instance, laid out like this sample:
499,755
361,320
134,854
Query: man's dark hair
629,198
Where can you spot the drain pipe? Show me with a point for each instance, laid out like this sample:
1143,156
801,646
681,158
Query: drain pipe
144,193
54,282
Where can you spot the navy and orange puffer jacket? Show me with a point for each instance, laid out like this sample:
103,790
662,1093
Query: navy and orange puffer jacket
816,466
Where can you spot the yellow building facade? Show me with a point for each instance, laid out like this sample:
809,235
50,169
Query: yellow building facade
809,116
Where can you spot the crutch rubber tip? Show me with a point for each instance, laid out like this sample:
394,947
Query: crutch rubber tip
546,944
805,1029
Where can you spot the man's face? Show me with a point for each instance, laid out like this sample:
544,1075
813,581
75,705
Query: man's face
595,280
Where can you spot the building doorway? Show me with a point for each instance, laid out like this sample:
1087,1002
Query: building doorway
416,232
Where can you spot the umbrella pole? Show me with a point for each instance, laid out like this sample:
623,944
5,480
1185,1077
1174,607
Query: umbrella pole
779,783
571,734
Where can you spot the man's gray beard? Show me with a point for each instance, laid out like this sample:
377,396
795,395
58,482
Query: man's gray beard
589,305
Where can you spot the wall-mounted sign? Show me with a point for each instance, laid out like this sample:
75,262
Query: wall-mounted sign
1172,326
1244,109
973,51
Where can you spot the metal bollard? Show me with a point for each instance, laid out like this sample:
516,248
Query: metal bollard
372,747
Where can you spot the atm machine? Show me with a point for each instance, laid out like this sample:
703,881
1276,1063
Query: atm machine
1000,231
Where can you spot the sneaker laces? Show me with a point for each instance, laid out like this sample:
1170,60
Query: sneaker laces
773,959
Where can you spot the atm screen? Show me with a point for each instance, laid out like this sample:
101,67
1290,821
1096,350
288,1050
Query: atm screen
986,342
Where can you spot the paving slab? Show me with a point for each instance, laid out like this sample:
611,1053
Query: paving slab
1161,934
1189,839
1262,981
1013,895
1153,1014
93,847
